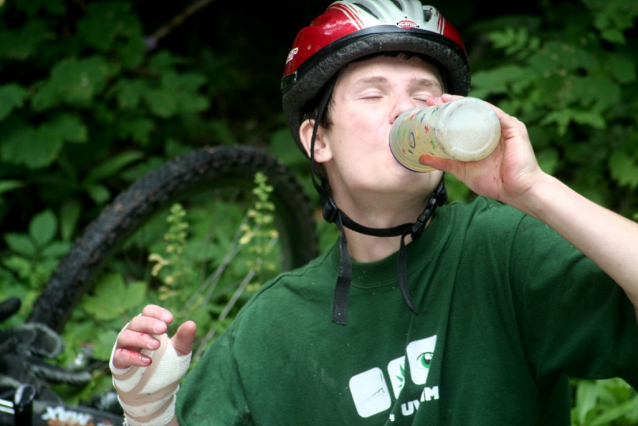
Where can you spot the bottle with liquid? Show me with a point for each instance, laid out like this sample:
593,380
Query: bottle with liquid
465,129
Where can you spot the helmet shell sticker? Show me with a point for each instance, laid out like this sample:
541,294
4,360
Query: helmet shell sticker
292,54
407,23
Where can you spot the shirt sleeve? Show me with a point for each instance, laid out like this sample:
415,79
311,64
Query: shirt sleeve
574,318
212,392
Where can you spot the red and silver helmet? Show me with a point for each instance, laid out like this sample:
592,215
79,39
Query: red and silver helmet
352,29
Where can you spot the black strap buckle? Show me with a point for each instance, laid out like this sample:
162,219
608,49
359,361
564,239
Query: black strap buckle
329,209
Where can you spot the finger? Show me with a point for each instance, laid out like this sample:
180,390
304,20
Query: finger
125,358
432,101
184,337
149,325
438,163
158,312
447,97
129,339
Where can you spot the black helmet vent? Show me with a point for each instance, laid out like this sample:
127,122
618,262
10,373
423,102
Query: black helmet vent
427,15
397,4
365,9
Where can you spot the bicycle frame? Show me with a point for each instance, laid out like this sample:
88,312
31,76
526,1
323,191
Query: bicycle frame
25,410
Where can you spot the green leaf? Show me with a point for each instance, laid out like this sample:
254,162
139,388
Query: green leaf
557,56
514,40
19,265
222,131
129,92
65,127
110,295
136,128
136,292
586,395
161,102
43,228
8,185
183,87
622,68
113,165
56,249
73,82
99,193
106,21
69,216
564,117
132,52
37,148
24,145
104,344
612,17
585,92
113,297
189,82
280,143
20,243
548,160
624,169
12,96
163,61
31,7
499,79
23,42
615,413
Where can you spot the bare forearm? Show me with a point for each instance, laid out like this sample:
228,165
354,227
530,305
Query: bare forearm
608,239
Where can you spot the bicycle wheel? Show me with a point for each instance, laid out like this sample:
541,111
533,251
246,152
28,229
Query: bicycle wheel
127,230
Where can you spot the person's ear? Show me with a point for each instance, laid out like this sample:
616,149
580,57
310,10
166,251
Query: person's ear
322,148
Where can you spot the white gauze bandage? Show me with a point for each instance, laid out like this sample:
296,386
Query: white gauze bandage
147,394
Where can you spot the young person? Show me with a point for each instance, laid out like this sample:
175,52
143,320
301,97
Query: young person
462,314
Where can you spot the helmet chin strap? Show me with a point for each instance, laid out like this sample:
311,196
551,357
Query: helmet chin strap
332,214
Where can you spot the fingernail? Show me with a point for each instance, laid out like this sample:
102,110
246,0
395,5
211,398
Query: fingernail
146,360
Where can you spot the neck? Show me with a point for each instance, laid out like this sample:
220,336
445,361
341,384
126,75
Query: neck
381,215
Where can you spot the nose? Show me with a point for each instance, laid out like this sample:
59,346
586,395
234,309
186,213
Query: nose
403,103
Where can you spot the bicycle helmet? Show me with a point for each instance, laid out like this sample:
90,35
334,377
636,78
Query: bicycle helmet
350,30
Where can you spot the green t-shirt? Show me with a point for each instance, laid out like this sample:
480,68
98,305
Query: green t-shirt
506,310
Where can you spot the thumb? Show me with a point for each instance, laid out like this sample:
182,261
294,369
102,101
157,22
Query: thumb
183,339
438,163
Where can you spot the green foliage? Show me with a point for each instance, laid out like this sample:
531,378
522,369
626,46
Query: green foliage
35,255
604,403
202,259
112,297
573,82
81,91
29,260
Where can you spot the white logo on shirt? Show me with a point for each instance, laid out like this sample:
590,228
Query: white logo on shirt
370,390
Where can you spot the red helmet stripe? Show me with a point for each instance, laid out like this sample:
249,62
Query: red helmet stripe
351,13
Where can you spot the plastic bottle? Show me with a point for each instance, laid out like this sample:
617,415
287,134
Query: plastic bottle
465,129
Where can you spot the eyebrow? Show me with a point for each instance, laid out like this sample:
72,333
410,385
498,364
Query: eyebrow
371,80
425,82
422,82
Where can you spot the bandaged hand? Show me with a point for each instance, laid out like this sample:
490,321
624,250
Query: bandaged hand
147,366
